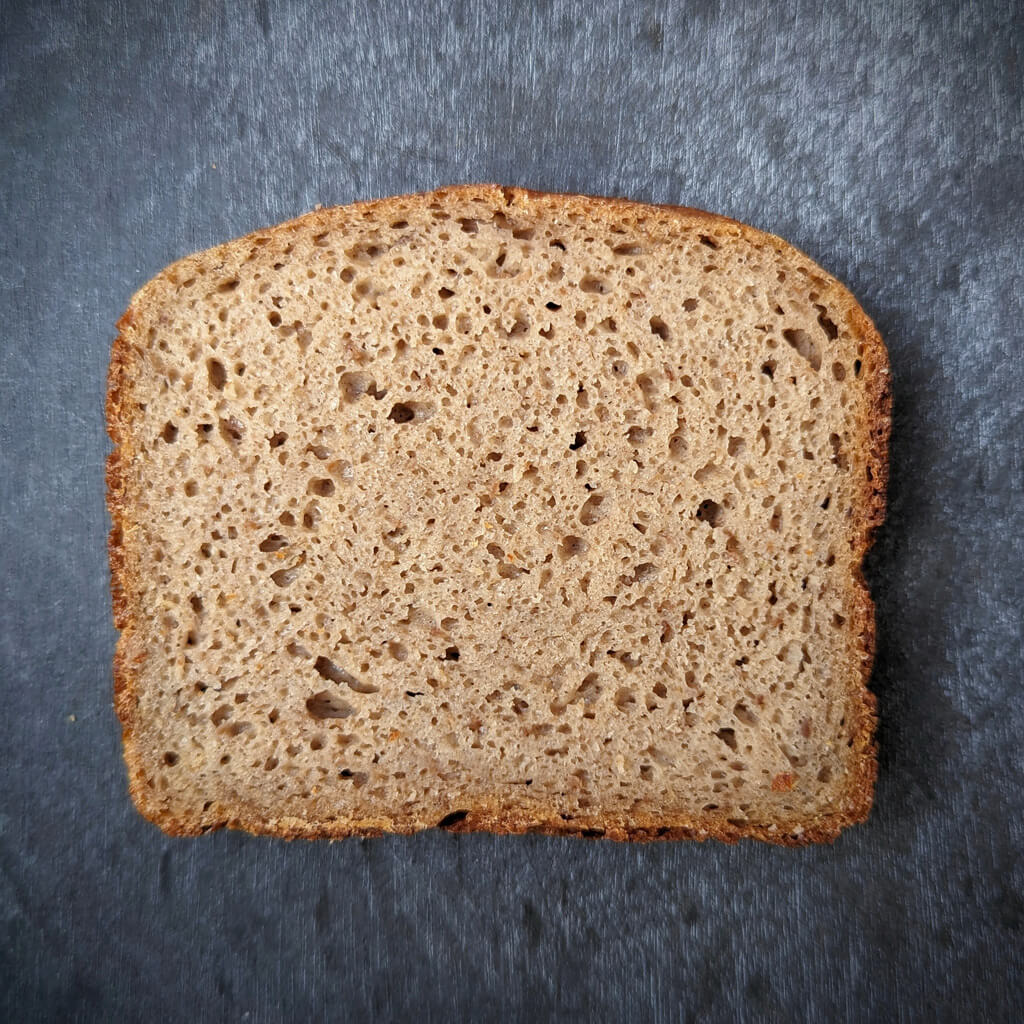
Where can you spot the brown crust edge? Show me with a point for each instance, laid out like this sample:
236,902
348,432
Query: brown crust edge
876,423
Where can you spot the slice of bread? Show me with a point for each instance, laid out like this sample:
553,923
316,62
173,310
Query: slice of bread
492,509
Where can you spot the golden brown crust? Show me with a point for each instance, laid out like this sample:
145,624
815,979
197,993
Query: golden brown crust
876,420
877,416
118,427
640,829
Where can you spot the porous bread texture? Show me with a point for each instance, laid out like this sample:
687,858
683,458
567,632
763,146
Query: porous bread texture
497,510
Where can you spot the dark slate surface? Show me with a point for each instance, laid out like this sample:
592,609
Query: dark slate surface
885,139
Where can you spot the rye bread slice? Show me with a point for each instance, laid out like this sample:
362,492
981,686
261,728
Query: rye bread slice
502,510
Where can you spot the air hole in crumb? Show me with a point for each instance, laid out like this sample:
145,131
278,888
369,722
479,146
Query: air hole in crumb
273,542
709,512
359,779
708,241
624,698
453,819
629,249
284,577
220,714
728,737
827,325
169,433
579,441
232,430
278,439
659,327
326,705
768,368
355,384
690,305
650,386
644,572
838,456
593,510
593,284
323,487
451,654
805,346
170,758
744,714
572,547
217,374
410,412
327,669
365,252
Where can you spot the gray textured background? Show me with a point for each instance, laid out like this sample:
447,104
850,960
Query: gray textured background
884,139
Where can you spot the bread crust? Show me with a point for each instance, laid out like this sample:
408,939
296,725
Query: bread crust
874,418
